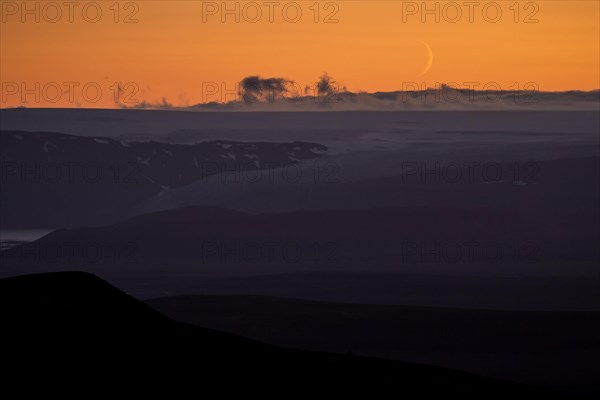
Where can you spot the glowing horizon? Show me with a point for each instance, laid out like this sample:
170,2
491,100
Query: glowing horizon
170,50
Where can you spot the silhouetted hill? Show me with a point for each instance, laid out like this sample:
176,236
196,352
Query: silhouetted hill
69,330
507,344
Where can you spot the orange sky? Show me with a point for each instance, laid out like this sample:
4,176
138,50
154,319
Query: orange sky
170,52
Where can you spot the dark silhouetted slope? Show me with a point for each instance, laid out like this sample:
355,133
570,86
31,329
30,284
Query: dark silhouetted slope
69,330
507,344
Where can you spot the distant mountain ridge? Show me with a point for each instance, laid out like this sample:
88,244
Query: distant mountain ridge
92,180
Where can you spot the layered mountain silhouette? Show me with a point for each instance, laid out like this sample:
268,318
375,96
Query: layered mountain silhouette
414,213
73,329
220,242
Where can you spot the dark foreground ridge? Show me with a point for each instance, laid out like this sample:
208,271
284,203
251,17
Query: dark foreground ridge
72,328
530,347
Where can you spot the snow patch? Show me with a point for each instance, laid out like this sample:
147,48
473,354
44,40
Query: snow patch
163,190
520,183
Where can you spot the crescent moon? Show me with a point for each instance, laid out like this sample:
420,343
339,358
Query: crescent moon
429,59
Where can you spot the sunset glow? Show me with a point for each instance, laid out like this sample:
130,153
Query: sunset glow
169,49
